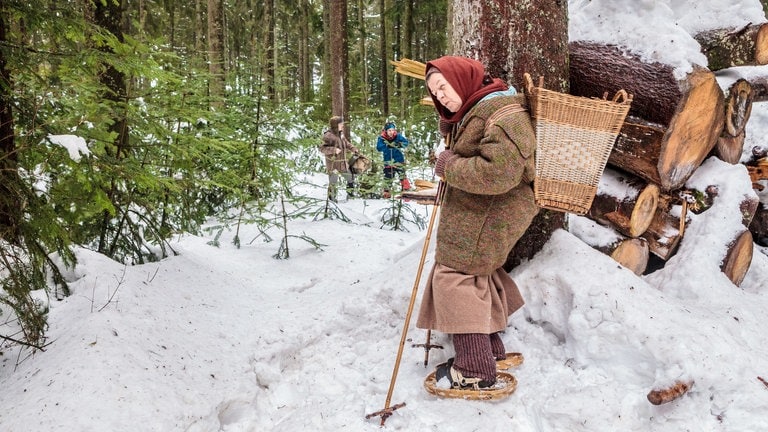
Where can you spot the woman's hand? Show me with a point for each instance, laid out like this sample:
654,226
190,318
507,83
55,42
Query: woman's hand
442,160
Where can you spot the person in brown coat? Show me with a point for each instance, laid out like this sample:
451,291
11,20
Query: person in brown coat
487,171
337,151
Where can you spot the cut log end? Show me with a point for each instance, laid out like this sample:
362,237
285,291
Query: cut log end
729,149
632,254
761,45
694,130
738,107
738,258
645,209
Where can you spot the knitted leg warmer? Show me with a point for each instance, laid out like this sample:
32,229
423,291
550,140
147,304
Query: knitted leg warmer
474,357
497,347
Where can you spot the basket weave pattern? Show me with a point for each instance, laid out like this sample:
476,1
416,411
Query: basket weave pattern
574,137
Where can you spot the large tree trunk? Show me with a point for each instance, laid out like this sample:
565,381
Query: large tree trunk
729,47
306,91
688,113
362,47
339,56
406,51
490,31
269,48
109,17
383,56
216,52
10,201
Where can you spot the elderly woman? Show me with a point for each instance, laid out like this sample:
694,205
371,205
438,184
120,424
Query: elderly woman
487,170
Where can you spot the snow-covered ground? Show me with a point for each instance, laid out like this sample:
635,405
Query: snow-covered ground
231,339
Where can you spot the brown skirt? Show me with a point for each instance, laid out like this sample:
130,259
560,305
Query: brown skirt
455,302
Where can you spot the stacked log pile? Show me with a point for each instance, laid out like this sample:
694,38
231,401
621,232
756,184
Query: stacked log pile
674,124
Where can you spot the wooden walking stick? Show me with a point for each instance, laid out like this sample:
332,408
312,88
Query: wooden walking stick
388,410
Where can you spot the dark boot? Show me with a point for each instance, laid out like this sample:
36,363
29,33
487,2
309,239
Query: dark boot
457,379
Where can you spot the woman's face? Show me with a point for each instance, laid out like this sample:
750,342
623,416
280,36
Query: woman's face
444,92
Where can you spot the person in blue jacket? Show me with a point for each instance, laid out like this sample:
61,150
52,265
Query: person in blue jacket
391,144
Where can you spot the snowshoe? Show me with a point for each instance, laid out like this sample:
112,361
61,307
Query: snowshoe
505,385
448,383
513,359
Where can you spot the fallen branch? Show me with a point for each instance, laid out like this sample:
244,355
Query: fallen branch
765,383
662,396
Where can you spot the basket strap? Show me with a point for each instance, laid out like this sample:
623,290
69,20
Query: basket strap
503,111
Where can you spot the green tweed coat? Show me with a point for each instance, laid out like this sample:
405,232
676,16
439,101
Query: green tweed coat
488,202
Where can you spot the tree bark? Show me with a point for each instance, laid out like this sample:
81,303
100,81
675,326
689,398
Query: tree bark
362,47
216,52
688,112
339,59
764,3
108,16
759,225
269,43
729,47
383,55
491,31
200,28
407,34
306,91
10,199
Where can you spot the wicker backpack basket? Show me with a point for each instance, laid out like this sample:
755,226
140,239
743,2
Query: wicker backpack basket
574,137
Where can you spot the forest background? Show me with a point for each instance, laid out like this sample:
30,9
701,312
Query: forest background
185,111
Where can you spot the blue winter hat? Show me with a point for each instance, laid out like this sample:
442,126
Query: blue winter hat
389,125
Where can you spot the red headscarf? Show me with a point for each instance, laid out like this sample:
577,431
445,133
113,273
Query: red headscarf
468,79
